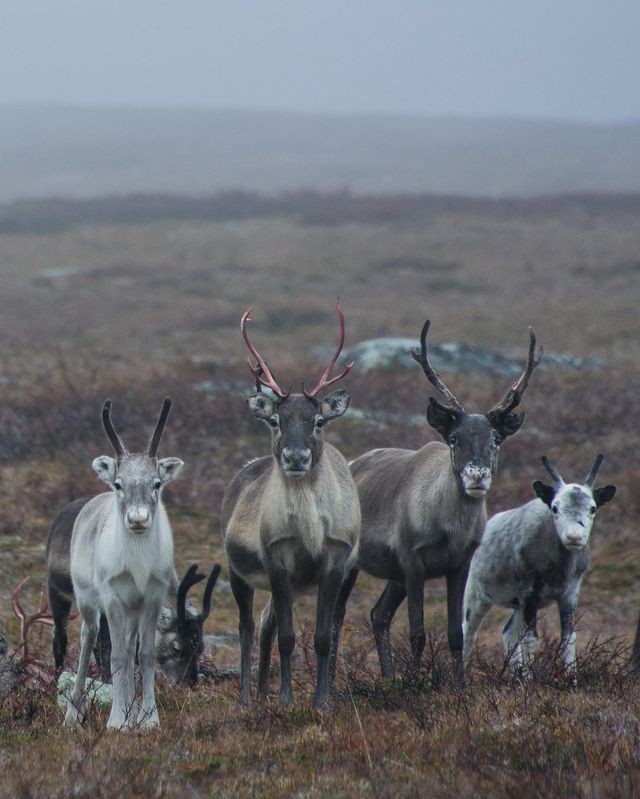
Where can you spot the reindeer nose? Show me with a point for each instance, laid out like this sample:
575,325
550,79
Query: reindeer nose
296,460
138,518
574,540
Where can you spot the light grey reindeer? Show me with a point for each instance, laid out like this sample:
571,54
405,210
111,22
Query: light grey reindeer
290,522
179,637
531,556
423,512
122,566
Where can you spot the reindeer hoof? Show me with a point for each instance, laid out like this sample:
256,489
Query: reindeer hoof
322,706
148,721
72,717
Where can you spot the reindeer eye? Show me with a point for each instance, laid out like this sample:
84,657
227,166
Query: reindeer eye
319,422
118,485
555,509
453,439
274,422
593,509
157,483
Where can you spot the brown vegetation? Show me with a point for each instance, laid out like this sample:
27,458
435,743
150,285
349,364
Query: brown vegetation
135,312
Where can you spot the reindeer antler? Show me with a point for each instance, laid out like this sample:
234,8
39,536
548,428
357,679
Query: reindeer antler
211,583
591,477
41,616
190,579
421,356
157,433
325,380
513,396
110,430
261,371
552,470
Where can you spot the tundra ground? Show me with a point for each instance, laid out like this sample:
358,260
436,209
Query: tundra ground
137,311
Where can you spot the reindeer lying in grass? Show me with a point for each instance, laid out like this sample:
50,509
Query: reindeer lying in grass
122,566
179,643
21,665
531,556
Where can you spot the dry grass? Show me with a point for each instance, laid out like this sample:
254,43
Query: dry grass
153,309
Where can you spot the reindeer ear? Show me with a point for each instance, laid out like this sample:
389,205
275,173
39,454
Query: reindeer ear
105,467
604,494
335,404
169,469
544,492
442,418
506,424
262,405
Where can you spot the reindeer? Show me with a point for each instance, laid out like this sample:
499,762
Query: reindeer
13,666
121,567
531,556
423,512
180,638
179,643
290,521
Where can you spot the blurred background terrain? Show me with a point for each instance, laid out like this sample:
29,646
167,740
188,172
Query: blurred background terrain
419,163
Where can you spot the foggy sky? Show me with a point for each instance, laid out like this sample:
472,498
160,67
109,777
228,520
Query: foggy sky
550,58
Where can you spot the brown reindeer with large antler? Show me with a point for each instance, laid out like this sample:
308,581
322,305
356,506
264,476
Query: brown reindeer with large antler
290,521
423,512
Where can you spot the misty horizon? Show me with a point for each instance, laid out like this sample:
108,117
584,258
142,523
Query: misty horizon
577,60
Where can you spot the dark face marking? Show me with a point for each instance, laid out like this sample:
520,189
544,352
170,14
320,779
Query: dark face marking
180,651
473,443
297,425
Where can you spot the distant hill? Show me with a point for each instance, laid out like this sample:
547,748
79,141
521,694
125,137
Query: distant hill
75,152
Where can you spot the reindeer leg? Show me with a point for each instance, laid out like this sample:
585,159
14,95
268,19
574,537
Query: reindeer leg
415,600
60,609
634,660
382,614
328,590
75,714
268,626
244,598
456,582
282,598
567,609
338,618
148,714
123,627
475,610
102,649
512,640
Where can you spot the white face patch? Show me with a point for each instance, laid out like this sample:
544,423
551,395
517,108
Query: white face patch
573,509
476,480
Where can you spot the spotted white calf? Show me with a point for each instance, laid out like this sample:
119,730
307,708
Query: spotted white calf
531,556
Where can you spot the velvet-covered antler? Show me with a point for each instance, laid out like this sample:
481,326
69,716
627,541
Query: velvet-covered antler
326,380
260,371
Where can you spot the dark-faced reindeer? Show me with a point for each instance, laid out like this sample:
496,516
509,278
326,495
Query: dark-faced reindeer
290,522
531,556
180,635
122,566
179,643
423,512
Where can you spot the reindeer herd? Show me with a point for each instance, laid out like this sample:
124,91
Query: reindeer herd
304,519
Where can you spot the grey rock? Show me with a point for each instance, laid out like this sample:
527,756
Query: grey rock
390,352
